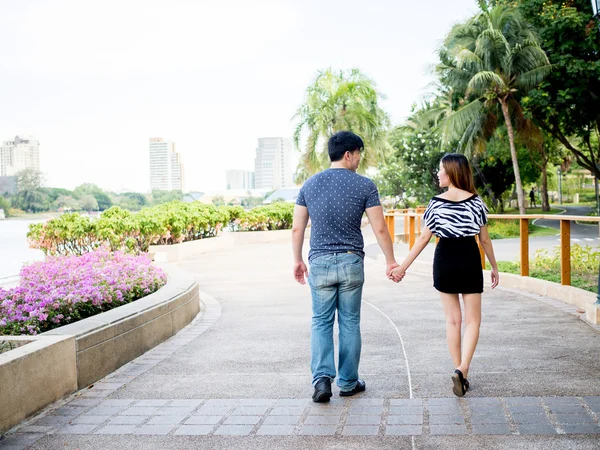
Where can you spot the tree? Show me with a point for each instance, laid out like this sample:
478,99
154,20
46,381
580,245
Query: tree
66,203
86,188
338,101
420,152
251,202
30,196
88,203
133,201
55,193
547,151
5,205
567,103
218,200
159,197
494,173
103,199
491,61
29,180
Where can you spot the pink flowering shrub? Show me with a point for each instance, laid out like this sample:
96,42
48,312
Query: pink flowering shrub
64,289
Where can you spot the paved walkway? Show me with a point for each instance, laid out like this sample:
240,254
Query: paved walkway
238,376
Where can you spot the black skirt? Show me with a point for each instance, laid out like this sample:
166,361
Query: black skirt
457,266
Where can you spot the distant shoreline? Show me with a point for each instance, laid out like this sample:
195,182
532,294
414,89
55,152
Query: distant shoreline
36,216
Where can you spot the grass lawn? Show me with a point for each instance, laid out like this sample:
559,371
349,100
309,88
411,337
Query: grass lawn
586,280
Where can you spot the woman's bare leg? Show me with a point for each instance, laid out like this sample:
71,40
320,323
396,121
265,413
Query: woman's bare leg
472,304
451,306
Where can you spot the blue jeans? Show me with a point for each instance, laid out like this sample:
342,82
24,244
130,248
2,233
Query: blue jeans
336,282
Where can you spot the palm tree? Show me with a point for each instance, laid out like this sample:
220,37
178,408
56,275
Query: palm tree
489,62
338,101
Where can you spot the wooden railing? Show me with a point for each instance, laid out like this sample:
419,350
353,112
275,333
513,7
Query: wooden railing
412,216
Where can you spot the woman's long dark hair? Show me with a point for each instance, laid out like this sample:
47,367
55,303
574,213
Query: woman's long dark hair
458,169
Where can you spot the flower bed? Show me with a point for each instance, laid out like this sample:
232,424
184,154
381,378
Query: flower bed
65,289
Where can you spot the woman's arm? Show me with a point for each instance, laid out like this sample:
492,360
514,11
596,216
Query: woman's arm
486,243
398,273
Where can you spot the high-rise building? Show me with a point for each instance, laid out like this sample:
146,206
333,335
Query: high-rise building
19,154
166,167
239,179
273,167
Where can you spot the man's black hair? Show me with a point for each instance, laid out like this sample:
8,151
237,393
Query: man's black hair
342,142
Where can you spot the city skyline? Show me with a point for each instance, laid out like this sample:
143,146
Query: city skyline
94,100
166,166
273,163
20,153
239,179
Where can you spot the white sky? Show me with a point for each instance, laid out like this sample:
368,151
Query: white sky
93,81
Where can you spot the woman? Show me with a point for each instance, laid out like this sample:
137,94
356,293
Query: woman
456,217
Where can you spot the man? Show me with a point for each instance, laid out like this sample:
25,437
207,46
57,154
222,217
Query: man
532,197
335,201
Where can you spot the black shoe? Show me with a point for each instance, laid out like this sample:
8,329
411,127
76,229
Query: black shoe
322,392
360,387
460,383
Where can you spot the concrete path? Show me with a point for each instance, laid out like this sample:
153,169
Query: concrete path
238,377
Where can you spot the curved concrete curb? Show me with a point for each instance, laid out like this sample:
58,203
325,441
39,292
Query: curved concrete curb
59,362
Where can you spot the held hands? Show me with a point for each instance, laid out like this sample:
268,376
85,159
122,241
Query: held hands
395,272
300,272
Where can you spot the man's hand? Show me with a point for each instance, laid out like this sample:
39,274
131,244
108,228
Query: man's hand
300,272
389,267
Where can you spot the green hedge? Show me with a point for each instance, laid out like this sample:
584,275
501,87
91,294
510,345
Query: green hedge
168,223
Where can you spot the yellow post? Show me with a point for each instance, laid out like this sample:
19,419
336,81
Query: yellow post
524,247
405,211
565,252
391,226
411,232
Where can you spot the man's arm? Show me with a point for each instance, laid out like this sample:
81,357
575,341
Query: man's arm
377,221
298,229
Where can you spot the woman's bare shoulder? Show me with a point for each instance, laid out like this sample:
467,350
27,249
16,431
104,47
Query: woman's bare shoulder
457,195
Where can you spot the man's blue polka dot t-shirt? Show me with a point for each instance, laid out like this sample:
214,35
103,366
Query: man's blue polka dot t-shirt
336,200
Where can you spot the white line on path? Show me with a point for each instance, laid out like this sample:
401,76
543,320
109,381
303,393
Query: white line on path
401,342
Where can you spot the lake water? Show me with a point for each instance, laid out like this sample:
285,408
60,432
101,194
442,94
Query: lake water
14,249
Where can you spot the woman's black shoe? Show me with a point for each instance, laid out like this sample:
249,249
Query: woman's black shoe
460,383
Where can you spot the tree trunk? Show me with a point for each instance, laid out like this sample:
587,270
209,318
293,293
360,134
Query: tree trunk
545,202
487,187
513,154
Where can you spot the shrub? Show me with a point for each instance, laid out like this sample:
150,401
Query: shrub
120,230
277,216
65,289
499,229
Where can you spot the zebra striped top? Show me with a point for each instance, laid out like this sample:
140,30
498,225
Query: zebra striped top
450,219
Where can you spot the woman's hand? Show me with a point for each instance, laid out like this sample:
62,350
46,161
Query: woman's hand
397,274
495,277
